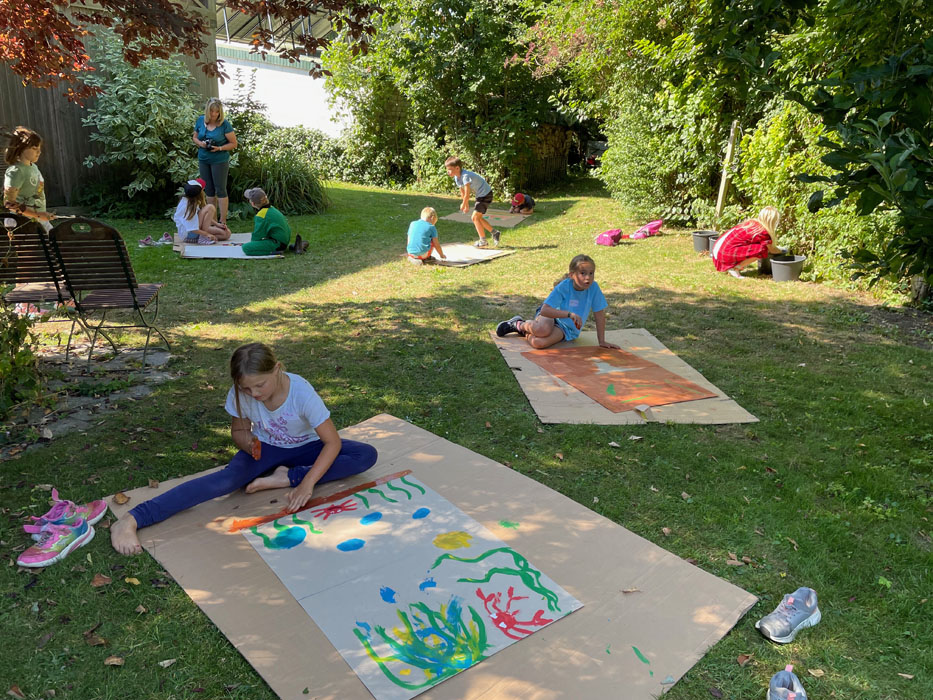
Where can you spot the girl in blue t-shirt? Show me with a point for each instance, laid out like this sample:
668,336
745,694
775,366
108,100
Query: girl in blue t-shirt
286,439
565,310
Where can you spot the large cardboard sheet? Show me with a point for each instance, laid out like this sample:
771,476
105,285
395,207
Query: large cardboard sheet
235,239
678,612
616,379
497,217
401,552
463,254
555,401
220,250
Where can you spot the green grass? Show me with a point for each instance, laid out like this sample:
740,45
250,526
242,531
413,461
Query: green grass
832,489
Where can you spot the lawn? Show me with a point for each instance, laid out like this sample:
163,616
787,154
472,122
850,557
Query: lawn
832,489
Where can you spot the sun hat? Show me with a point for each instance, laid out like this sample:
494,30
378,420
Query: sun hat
193,187
518,199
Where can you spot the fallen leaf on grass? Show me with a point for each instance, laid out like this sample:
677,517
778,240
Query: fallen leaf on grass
743,659
747,560
908,676
631,590
44,639
94,641
488,424
666,531
120,498
141,609
559,455
684,495
130,579
15,692
153,484
113,661
167,663
100,580
816,672
733,560
614,444
652,488
715,692
792,542
635,437
595,499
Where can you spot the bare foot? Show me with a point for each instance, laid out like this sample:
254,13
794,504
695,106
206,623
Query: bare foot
276,480
123,536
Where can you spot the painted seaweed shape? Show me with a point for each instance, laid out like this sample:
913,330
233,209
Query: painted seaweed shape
437,642
286,536
529,575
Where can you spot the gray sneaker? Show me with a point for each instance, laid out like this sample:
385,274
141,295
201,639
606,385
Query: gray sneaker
786,686
496,235
481,243
510,326
797,611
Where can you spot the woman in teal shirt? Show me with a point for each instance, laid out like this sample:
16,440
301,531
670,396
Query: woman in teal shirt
215,138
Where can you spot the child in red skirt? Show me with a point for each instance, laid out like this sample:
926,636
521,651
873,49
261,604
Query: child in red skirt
751,240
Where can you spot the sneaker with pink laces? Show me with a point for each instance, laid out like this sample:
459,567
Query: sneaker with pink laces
147,242
66,513
55,543
167,239
206,240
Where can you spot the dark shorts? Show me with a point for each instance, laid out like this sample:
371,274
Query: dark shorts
482,203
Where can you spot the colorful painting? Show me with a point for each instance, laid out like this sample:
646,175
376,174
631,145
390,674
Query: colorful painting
406,586
618,380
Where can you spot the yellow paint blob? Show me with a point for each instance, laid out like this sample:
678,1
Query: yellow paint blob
452,540
404,672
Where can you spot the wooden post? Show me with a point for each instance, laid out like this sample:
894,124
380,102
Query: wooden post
724,182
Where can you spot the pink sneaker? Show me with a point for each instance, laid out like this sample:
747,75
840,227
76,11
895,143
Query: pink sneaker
66,513
167,239
55,542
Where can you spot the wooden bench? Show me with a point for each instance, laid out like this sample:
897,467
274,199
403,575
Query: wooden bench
98,274
27,263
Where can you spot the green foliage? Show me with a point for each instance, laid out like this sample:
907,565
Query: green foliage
142,120
427,162
20,379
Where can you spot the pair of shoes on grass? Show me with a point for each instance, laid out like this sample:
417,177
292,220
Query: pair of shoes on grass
510,326
148,241
797,611
64,528
483,243
299,247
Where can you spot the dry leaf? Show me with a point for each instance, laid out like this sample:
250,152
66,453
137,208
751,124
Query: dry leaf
559,455
792,542
113,661
816,672
747,560
488,424
15,692
121,498
141,609
635,437
652,488
167,663
715,692
684,495
153,484
666,531
743,659
100,580
614,444
733,562
631,590
94,641
595,499
130,579
906,675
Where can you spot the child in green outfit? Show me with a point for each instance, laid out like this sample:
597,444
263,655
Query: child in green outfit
271,232
23,185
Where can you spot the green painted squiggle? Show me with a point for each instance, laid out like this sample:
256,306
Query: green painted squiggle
380,493
405,480
362,498
307,523
530,576
397,488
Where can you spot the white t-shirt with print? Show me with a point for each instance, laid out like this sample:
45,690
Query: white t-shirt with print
184,225
290,425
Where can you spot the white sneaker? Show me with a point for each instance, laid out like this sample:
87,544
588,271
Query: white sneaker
735,273
481,243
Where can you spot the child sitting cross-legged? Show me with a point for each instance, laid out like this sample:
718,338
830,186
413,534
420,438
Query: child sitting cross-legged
195,219
422,238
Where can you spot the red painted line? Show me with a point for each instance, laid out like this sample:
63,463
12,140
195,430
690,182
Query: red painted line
244,523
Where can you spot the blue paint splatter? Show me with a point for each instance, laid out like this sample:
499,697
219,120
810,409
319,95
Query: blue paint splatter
427,583
420,513
388,595
366,627
370,518
351,545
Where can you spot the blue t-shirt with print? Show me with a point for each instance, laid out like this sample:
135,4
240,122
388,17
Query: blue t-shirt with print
581,302
420,233
478,185
218,135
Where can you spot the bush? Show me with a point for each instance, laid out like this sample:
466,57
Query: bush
143,120
427,161
20,380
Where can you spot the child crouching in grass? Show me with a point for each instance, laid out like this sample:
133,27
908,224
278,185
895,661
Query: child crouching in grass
565,310
422,238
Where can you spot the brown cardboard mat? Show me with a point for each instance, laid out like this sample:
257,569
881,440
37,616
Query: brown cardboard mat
640,642
496,217
556,401
463,254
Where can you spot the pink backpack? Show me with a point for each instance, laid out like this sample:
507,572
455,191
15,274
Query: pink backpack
610,237
649,229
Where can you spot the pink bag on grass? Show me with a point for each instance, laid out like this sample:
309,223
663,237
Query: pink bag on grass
610,237
648,229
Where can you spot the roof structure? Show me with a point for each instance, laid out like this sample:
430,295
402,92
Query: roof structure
236,27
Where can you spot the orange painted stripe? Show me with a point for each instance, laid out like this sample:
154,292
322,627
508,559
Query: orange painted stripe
244,523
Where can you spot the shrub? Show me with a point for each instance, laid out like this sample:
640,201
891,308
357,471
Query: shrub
142,120
427,162
20,380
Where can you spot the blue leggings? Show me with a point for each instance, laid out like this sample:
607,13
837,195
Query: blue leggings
215,175
354,457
